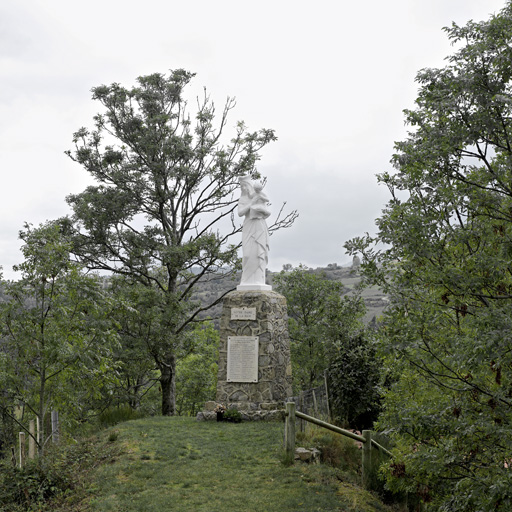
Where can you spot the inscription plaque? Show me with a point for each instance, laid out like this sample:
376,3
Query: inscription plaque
242,359
243,313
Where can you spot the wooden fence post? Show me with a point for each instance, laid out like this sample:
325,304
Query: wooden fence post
367,457
289,433
55,427
22,449
32,439
38,429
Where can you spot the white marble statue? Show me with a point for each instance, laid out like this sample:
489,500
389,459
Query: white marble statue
253,205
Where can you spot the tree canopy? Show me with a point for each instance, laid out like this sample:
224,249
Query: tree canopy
162,212
57,335
328,340
446,265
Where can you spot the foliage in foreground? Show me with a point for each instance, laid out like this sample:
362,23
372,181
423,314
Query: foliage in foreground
56,334
448,273
328,337
56,483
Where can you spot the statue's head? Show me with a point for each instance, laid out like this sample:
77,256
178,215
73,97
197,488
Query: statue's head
246,184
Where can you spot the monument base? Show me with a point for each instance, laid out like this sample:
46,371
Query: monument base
255,374
253,287
273,411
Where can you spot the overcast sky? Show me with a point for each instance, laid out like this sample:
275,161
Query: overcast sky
331,77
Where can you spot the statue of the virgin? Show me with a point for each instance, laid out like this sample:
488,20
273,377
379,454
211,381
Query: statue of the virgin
253,205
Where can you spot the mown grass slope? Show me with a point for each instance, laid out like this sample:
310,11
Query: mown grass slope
184,465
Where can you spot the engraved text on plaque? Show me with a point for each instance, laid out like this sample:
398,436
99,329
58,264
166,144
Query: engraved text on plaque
242,359
243,313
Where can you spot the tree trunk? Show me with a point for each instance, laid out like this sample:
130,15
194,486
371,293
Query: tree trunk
168,384
133,393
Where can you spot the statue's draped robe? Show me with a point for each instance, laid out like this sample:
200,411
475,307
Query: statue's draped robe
255,244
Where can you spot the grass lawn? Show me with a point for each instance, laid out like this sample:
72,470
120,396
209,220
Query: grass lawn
184,465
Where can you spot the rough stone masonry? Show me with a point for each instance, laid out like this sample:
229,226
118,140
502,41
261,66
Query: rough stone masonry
247,315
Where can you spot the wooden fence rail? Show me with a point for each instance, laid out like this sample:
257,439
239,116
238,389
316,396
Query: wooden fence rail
328,426
366,439
380,447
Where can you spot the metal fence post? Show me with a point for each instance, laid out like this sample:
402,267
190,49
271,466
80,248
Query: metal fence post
289,435
302,408
367,457
329,418
315,405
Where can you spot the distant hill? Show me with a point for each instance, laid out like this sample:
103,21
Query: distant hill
207,292
374,299
350,277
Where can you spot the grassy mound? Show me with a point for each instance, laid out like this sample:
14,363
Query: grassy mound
156,464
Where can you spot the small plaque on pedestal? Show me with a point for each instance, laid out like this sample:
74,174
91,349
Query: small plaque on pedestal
242,363
243,313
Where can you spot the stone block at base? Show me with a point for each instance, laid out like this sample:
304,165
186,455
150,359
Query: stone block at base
254,415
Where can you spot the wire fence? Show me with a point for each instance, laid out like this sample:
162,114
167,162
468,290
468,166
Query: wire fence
314,402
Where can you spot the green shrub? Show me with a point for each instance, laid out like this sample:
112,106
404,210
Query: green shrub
115,415
35,484
336,450
233,416
113,436
354,375
53,482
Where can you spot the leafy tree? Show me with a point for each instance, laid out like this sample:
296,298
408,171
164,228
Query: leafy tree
355,375
327,336
56,333
141,338
447,269
7,427
309,296
196,381
162,213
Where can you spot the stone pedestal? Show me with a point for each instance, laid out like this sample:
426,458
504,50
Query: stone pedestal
255,374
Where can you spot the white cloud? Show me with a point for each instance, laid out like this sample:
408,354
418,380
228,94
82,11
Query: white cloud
332,79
